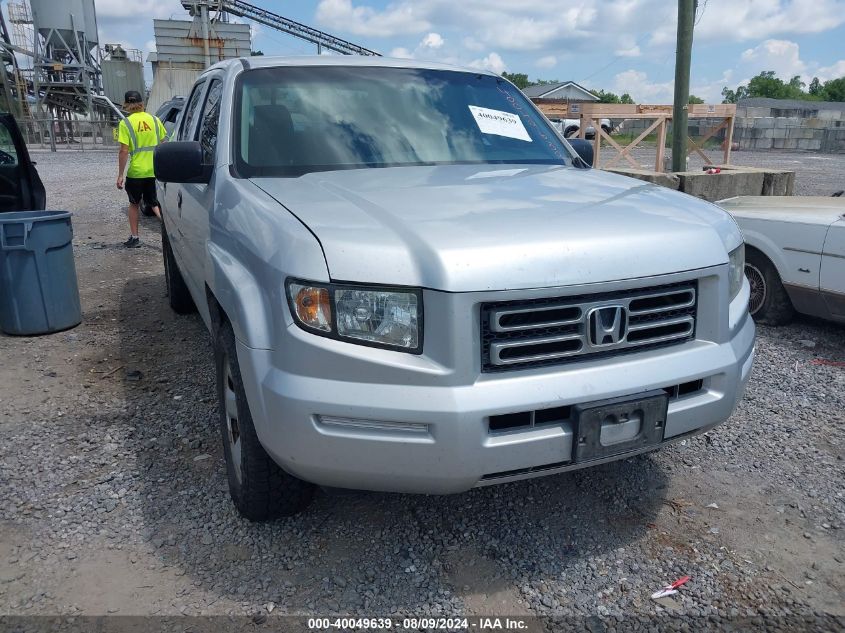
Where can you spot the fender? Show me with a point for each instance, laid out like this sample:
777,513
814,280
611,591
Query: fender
768,247
240,296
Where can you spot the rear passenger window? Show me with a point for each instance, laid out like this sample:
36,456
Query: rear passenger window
210,119
190,112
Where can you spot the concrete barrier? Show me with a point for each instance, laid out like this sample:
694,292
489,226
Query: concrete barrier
732,181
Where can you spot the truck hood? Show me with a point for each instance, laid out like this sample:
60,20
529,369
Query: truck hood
463,228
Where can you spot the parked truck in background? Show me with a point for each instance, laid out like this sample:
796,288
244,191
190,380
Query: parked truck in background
414,284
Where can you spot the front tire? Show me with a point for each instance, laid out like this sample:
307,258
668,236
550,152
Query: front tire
769,303
177,291
260,489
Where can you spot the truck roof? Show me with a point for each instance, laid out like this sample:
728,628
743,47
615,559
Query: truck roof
264,61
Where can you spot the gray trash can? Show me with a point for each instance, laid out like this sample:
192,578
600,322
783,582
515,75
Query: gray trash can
38,289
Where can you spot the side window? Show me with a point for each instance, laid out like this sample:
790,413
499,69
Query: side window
209,121
8,153
190,112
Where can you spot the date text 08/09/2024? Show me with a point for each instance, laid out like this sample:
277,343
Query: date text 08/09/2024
414,624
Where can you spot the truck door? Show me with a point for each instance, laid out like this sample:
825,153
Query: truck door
833,269
20,187
170,194
198,198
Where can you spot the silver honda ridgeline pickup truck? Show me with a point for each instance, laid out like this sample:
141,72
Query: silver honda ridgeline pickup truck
414,284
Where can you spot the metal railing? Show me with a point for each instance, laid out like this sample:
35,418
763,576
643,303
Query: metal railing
55,134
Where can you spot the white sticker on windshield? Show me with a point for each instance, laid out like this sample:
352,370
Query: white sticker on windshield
499,123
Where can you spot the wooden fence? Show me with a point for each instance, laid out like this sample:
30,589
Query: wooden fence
591,114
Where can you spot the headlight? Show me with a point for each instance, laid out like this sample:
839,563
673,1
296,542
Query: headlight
736,270
379,317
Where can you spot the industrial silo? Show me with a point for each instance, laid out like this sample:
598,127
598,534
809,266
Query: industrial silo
90,14
59,23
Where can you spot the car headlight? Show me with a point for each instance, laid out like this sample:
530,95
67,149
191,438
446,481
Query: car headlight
378,317
736,270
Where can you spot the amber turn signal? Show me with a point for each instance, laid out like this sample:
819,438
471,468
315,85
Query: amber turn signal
312,306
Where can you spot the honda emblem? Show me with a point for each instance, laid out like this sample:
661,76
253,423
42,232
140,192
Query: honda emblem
607,325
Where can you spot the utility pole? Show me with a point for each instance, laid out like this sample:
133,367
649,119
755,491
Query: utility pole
683,54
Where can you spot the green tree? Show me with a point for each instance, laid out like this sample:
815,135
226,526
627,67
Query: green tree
606,97
694,99
625,98
732,96
520,80
833,90
256,53
815,87
767,85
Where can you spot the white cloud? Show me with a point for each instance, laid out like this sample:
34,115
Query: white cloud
401,53
492,62
398,19
834,71
633,51
547,61
117,9
637,84
740,20
782,56
432,40
427,48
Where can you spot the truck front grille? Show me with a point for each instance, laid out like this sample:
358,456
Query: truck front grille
551,331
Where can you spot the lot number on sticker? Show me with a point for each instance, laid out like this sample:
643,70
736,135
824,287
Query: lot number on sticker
499,123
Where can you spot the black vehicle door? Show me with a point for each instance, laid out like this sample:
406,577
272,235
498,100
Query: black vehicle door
21,188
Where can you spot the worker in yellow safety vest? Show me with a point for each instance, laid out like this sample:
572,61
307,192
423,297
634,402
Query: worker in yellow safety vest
138,135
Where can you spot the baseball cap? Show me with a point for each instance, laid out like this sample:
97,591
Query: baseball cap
132,96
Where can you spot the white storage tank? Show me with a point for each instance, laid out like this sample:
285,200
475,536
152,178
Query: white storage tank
59,22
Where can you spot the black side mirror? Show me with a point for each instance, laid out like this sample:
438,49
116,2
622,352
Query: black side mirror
582,147
180,161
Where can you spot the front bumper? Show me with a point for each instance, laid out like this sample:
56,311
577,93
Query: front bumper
435,438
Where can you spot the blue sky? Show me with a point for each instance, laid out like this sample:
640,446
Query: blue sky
618,45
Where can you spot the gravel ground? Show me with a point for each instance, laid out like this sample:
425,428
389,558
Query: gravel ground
113,496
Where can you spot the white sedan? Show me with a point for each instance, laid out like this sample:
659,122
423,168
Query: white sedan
794,255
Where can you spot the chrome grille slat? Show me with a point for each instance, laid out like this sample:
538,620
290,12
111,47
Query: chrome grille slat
648,325
517,334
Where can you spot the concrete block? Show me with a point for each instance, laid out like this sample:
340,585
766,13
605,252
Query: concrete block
766,121
790,143
670,181
809,144
816,123
791,121
758,112
778,183
830,115
800,133
778,143
770,133
724,185
763,143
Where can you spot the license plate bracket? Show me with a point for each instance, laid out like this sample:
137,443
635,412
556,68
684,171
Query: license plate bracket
619,425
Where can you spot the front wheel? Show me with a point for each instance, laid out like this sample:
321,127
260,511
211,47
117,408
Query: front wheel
769,303
260,489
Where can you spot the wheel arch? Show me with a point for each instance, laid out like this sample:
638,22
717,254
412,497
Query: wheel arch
233,295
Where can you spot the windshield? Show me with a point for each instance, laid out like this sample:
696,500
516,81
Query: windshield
294,120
